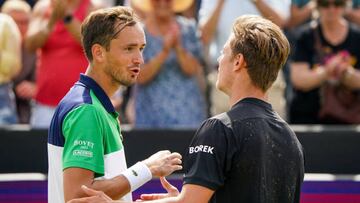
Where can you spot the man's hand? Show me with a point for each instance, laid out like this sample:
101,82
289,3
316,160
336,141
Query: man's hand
58,12
176,33
163,163
172,191
337,65
26,89
94,197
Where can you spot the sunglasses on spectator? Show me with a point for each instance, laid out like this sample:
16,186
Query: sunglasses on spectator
166,1
336,3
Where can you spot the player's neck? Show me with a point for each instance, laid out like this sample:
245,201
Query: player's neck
103,81
245,90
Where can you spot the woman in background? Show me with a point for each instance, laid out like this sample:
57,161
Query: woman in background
169,94
327,51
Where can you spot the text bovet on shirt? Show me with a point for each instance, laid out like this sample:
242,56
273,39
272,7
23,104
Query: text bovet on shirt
84,133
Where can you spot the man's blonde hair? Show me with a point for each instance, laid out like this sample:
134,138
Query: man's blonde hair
264,47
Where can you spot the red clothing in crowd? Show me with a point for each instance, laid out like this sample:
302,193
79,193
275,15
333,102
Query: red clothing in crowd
61,61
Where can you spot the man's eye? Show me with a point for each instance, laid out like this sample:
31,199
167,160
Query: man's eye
128,48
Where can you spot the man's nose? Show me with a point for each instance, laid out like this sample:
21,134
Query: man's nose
138,59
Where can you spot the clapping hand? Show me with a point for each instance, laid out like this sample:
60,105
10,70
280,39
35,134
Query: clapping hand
173,37
336,65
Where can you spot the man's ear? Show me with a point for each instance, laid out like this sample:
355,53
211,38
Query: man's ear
98,52
239,62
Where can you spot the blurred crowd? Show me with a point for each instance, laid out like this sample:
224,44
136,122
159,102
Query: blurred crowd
41,58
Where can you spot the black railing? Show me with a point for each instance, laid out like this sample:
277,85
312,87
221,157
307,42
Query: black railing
328,149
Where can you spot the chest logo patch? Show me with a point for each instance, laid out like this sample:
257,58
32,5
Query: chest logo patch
201,148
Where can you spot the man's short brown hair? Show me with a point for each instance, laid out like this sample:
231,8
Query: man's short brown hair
103,25
264,47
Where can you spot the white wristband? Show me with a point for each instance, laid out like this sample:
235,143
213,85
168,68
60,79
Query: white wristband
137,175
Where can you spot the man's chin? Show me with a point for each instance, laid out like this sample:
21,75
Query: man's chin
128,83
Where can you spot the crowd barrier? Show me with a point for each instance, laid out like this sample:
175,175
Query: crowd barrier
328,149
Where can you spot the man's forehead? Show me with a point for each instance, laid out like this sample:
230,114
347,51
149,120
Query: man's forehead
137,28
132,35
227,44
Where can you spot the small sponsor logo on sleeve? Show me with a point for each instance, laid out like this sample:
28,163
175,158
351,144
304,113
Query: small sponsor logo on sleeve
134,173
201,148
84,144
82,153
83,148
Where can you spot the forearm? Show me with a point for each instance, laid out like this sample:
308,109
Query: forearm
151,69
353,16
208,28
307,80
74,28
159,164
37,39
188,63
351,78
267,12
300,15
114,188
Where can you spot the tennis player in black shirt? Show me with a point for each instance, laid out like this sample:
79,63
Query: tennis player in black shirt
248,154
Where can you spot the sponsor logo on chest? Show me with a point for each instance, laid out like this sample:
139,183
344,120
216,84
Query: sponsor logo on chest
201,148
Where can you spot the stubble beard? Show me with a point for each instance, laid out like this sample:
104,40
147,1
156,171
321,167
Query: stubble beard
123,79
118,78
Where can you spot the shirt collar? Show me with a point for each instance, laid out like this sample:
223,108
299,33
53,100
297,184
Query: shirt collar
99,92
253,100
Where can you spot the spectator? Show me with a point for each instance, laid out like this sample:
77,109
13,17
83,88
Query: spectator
302,11
10,63
55,31
215,21
30,2
24,83
319,59
169,91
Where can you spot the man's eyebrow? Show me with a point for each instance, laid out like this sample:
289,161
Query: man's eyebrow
131,45
134,45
